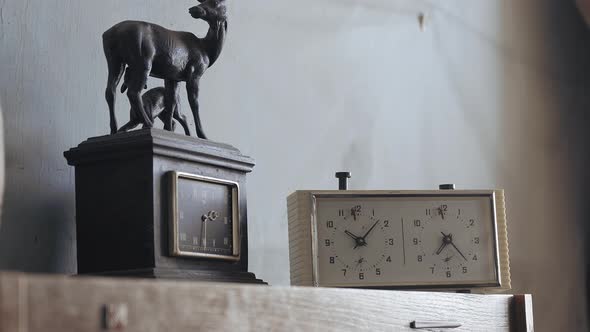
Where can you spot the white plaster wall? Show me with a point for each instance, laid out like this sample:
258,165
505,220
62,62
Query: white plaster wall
312,87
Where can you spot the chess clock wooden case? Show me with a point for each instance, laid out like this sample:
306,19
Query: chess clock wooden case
151,203
438,239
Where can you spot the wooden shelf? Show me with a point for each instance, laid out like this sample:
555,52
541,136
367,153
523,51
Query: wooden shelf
59,303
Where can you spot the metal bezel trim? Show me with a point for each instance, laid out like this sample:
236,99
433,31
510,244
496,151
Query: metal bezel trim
495,283
173,217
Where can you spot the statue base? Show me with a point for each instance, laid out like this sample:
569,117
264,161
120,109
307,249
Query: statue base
122,204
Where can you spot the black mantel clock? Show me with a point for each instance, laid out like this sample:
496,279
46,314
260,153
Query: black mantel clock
151,203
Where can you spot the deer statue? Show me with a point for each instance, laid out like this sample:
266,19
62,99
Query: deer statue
147,49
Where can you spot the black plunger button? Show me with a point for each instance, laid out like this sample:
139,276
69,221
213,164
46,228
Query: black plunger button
447,186
343,180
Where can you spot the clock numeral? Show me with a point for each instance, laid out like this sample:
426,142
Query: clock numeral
356,209
390,242
378,271
344,271
471,222
428,212
203,197
464,269
417,223
419,258
195,240
330,224
474,257
432,269
443,208
341,213
361,276
476,240
388,259
448,274
415,241
332,260
327,242
225,241
385,223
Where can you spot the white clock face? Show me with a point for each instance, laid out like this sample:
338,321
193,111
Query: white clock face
405,240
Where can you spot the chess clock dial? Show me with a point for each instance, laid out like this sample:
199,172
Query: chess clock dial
409,239
204,220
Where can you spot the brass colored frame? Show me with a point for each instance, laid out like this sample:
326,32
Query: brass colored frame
173,217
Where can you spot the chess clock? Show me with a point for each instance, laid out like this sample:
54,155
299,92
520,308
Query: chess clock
155,204
412,239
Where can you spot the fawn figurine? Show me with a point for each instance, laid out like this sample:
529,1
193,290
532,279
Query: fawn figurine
153,103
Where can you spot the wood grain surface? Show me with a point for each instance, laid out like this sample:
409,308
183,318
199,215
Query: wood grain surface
50,303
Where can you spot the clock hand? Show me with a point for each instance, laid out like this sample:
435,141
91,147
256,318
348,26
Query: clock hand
459,251
205,238
203,235
446,240
370,229
351,235
442,246
358,241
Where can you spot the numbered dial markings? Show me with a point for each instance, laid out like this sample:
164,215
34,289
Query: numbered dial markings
404,240
204,217
446,241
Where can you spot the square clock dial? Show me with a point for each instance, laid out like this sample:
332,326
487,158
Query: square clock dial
204,220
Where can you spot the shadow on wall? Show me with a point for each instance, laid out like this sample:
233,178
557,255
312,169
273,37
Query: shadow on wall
35,241
569,45
546,100
37,233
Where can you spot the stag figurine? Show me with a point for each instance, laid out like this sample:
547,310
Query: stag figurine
147,49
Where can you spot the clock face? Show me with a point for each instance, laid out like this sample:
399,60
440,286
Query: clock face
204,217
403,240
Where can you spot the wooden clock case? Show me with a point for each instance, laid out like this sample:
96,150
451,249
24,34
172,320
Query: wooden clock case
122,204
